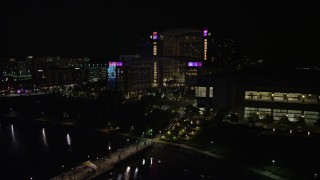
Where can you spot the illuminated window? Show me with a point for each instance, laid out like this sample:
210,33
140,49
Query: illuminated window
253,95
155,47
263,112
248,111
155,72
278,113
293,115
205,46
200,91
211,92
311,115
293,97
311,98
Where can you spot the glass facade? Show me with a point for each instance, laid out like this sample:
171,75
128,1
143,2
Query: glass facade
282,97
311,115
204,91
261,112
248,111
293,115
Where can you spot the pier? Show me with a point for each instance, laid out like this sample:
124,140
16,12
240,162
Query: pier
90,169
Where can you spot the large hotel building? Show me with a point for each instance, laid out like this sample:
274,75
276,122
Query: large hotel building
175,61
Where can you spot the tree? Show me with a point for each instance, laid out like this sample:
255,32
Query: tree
221,115
301,123
284,121
233,117
317,122
191,111
207,112
267,119
253,118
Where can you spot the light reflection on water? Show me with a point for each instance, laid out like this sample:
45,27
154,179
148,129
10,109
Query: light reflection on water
68,140
44,138
119,177
27,146
13,136
153,168
135,175
127,173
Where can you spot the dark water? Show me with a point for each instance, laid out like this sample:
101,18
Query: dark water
42,150
164,162
175,164
151,168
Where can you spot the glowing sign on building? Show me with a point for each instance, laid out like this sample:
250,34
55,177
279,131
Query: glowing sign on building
194,64
111,72
205,32
113,63
154,35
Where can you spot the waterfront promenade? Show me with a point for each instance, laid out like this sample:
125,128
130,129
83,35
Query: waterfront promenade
91,169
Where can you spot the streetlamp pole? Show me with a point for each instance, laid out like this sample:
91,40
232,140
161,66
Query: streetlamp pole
109,151
98,162
62,167
273,165
74,177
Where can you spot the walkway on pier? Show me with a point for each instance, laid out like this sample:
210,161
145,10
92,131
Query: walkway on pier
104,164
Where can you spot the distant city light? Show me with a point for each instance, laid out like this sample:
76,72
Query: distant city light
205,32
154,35
113,63
194,64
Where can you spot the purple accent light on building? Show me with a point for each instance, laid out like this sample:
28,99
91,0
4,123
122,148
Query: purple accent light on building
194,64
205,32
154,35
113,63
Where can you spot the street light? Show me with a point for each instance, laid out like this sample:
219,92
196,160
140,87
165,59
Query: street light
74,177
98,162
109,150
273,165
62,167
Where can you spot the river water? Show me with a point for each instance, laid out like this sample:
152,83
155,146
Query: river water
40,150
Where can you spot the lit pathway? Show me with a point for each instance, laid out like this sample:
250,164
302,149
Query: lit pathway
104,164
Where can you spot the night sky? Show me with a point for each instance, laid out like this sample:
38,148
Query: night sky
274,30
